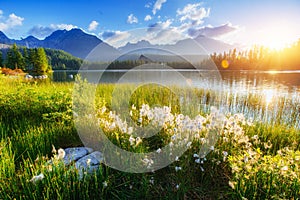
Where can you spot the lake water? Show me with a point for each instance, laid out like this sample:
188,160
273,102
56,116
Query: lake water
241,81
278,91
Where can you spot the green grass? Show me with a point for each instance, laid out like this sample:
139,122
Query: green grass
262,163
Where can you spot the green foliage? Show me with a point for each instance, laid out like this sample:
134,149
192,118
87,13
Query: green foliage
61,60
1,59
15,58
36,115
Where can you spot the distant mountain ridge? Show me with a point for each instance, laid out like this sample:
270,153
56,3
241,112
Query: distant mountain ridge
183,47
80,44
75,42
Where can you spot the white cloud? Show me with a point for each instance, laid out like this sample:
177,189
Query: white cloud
158,26
165,36
14,20
62,26
213,32
115,38
194,13
148,5
10,22
93,25
43,31
157,6
132,19
148,17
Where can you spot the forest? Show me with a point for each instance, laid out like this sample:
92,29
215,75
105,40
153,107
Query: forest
259,58
37,60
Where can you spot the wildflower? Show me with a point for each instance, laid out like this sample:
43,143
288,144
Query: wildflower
188,144
196,155
173,137
138,141
53,149
231,184
88,161
202,169
177,169
268,145
152,180
133,107
103,109
177,186
104,184
129,130
61,154
158,150
285,168
177,158
197,160
148,162
37,178
131,140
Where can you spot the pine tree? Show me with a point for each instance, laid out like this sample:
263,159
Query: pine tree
1,59
26,58
15,59
40,61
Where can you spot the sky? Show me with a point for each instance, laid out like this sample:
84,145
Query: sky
243,23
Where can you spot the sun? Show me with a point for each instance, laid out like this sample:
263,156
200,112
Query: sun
277,36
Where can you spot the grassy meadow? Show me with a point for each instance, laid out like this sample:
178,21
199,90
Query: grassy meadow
256,158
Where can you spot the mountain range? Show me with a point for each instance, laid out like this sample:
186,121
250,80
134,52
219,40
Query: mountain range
80,44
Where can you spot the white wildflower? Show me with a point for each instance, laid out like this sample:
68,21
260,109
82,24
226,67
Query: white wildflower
151,180
61,154
231,184
132,140
158,150
198,160
176,158
196,155
88,161
138,141
37,178
104,184
177,169
130,130
177,186
53,149
202,169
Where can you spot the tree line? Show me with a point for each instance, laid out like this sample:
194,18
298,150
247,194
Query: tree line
34,59
37,60
259,58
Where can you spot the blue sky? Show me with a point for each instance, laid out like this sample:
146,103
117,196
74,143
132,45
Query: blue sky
271,23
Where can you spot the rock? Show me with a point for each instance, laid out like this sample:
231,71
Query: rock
92,159
74,154
89,163
28,76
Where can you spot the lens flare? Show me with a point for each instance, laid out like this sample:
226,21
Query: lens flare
225,64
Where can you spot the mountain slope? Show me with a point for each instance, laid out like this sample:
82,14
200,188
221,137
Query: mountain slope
75,42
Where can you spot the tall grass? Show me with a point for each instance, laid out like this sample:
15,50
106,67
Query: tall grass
36,115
